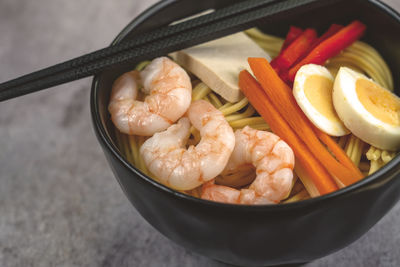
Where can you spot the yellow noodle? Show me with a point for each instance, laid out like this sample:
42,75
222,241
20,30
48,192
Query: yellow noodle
119,143
302,195
142,167
140,163
248,113
374,155
306,180
274,46
271,44
261,127
387,156
206,98
195,82
268,40
142,65
125,147
128,148
134,148
334,67
226,105
357,151
256,33
200,91
373,58
378,158
354,149
370,153
295,187
350,145
377,153
235,107
272,49
215,100
247,121
375,165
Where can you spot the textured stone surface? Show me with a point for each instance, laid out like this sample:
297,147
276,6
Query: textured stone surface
59,202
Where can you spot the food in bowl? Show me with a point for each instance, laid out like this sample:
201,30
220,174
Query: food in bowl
245,167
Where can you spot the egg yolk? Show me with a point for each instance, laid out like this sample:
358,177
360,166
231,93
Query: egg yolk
381,103
318,90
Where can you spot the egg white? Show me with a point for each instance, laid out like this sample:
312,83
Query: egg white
334,128
357,118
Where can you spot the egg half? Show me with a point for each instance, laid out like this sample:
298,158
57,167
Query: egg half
312,90
369,111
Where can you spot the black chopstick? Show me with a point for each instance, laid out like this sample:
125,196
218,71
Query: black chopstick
145,38
152,44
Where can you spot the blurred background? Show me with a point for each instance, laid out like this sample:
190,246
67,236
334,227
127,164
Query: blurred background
59,202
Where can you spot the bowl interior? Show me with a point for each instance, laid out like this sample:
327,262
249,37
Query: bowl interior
382,33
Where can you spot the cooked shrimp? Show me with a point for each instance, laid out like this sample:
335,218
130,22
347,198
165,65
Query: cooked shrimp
167,158
169,93
273,160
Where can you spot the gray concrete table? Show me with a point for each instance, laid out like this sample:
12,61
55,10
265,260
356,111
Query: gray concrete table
59,202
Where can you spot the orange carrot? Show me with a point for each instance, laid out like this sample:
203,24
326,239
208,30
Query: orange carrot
260,101
336,150
283,99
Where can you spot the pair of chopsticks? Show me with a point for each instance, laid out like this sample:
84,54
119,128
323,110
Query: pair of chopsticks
225,21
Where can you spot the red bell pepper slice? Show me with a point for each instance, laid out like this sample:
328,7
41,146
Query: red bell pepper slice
330,47
333,29
295,50
293,33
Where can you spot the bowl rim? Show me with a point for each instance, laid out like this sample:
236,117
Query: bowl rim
101,133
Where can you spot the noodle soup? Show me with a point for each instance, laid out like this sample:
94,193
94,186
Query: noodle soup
359,56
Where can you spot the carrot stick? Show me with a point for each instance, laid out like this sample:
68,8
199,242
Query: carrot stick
306,179
336,150
283,99
260,101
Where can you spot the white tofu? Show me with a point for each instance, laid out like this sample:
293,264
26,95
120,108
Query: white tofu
218,63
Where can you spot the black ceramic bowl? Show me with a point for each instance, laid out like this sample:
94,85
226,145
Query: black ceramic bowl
270,234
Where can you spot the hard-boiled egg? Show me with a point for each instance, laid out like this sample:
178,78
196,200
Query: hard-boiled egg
312,89
369,111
